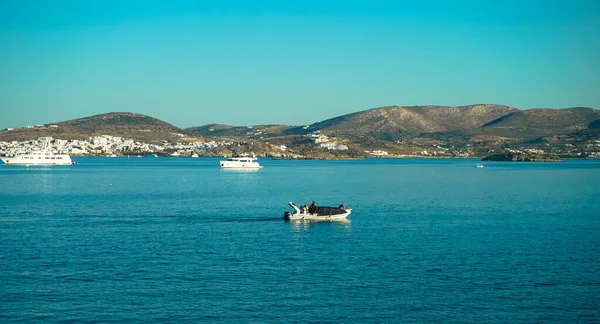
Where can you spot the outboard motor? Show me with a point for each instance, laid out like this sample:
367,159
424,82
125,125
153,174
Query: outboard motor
286,215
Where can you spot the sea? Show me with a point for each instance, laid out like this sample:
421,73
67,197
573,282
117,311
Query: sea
179,240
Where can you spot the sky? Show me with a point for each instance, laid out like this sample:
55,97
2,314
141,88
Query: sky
192,63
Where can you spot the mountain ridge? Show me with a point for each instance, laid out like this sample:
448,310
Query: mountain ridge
388,123
394,122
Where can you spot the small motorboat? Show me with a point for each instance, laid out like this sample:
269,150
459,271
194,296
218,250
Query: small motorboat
479,166
317,213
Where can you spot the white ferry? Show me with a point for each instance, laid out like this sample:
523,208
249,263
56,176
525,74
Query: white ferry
240,162
38,158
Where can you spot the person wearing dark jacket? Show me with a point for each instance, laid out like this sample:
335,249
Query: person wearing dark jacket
313,208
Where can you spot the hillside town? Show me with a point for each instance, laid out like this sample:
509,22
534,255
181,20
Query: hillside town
103,145
107,145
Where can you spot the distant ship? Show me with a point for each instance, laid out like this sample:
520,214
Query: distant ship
44,157
240,162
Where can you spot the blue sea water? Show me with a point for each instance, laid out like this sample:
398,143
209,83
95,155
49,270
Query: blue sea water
121,240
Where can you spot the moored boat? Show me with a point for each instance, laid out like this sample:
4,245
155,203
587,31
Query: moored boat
240,162
44,157
315,213
39,156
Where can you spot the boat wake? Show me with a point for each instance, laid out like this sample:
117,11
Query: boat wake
249,220
222,219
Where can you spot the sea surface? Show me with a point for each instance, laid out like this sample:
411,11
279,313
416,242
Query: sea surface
150,240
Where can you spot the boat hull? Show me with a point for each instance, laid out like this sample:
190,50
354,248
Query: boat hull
241,166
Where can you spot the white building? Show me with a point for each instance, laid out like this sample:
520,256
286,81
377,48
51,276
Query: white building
378,153
334,146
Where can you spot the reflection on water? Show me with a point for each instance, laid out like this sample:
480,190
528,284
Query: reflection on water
240,169
307,224
41,180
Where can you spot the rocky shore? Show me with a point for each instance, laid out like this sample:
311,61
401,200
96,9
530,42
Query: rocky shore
520,157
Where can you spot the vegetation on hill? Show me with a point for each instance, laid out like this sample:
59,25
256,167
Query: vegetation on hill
542,122
394,122
219,130
124,124
450,131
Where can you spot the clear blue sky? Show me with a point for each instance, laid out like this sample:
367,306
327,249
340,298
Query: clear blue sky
197,62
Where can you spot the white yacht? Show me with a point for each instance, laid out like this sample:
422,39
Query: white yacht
240,162
37,156
44,157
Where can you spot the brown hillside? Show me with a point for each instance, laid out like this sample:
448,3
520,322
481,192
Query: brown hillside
543,122
124,124
391,122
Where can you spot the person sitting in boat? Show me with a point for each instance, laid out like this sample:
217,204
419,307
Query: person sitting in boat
342,207
304,209
313,208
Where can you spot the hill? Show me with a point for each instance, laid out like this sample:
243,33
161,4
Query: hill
220,130
395,122
494,122
386,123
123,124
543,122
486,123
